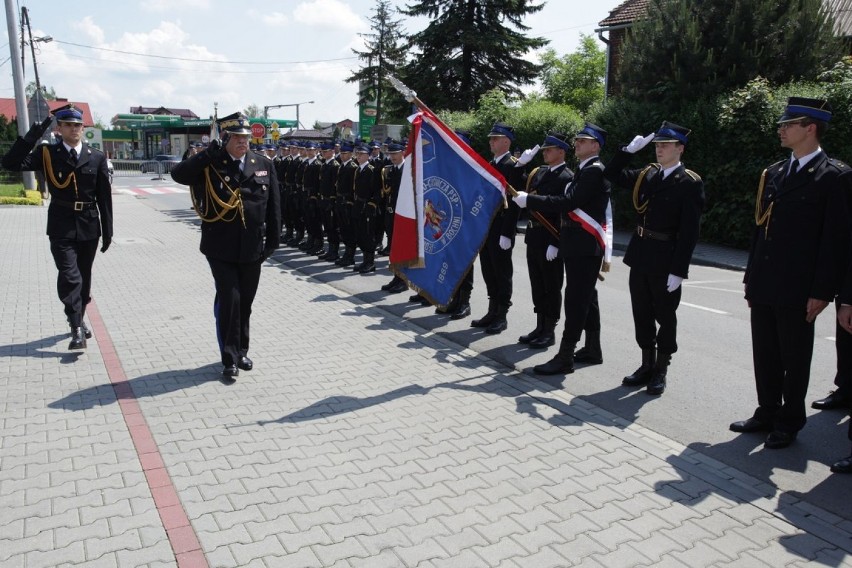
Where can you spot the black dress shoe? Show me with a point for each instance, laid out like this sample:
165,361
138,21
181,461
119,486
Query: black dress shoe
835,399
245,364
750,425
86,331
842,466
556,366
230,372
78,339
367,267
778,439
387,287
461,312
584,355
418,298
499,325
543,341
398,288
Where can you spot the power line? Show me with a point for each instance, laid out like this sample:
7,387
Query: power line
203,60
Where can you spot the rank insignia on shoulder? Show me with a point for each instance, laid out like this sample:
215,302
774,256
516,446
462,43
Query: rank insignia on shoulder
261,172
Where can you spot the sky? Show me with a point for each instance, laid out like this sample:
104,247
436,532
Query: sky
116,54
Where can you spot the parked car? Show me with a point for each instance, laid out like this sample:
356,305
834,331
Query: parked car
161,163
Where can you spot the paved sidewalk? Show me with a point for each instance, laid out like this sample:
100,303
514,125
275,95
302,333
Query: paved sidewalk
358,440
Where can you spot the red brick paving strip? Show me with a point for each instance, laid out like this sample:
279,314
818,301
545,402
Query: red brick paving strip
181,535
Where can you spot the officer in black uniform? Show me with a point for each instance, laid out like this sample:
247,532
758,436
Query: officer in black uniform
236,195
80,207
795,267
545,269
495,257
668,199
366,190
582,243
294,207
313,214
282,163
328,196
345,203
391,179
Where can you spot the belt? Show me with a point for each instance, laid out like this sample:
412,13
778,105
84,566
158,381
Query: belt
75,205
656,235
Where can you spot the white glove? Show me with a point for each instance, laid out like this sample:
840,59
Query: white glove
552,252
505,243
527,156
521,199
673,283
638,143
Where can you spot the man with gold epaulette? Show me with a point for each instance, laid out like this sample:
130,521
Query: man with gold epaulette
582,208
80,207
668,199
236,195
327,198
345,203
366,190
311,183
795,268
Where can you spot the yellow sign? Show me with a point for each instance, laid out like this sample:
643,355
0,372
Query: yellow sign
275,133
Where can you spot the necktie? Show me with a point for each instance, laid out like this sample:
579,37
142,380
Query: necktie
794,167
73,155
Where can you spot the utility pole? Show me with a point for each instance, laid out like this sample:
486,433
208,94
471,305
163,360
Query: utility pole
18,83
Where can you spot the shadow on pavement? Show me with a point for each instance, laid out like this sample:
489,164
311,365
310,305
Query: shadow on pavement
145,386
41,348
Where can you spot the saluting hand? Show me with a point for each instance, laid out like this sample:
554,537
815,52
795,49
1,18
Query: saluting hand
527,156
638,143
37,130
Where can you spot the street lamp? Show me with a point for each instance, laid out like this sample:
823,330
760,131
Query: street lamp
298,123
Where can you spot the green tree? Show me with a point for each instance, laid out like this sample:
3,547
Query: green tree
689,47
253,111
384,53
577,79
48,93
469,48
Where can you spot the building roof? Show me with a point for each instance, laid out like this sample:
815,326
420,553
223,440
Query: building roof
626,13
306,134
7,109
630,11
181,112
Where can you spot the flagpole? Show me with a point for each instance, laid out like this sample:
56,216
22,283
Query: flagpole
411,97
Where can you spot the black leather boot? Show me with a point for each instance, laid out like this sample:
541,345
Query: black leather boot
591,352
547,337
78,339
657,384
488,318
539,327
643,374
333,253
561,364
462,308
500,323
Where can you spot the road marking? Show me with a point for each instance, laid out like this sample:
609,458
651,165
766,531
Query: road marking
711,310
150,190
736,291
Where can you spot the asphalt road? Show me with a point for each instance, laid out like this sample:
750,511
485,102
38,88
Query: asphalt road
710,381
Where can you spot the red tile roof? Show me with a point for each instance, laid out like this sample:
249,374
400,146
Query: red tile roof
626,13
7,109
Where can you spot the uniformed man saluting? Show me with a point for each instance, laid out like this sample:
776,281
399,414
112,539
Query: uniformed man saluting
80,208
668,200
236,195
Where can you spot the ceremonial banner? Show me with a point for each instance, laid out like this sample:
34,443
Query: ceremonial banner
447,199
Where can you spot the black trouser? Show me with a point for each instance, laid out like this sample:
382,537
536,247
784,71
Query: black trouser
74,261
389,215
236,286
782,348
329,222
287,211
344,221
593,316
496,265
365,229
313,220
546,278
843,345
298,200
581,277
654,305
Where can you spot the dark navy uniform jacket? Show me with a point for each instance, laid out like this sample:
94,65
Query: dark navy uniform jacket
259,191
93,214
799,251
545,182
507,218
588,191
674,207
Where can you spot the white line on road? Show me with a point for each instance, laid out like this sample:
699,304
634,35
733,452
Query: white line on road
697,307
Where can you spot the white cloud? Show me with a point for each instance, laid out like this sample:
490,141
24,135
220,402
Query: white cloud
91,31
169,6
327,14
271,19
